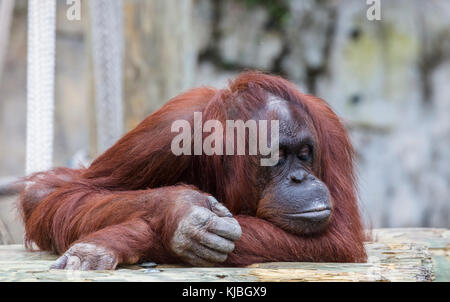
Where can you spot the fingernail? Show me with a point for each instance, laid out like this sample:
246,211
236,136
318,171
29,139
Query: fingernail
212,199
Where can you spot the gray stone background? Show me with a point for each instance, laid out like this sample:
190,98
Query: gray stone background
389,80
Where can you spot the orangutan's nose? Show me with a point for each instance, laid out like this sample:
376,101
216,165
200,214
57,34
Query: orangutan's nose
299,176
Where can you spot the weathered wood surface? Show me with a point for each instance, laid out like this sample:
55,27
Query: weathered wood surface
394,255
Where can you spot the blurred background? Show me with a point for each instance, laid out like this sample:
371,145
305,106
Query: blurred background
388,79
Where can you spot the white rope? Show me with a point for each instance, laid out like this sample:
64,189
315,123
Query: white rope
6,14
10,186
107,41
40,84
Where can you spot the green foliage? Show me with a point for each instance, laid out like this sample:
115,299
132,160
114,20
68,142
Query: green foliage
278,10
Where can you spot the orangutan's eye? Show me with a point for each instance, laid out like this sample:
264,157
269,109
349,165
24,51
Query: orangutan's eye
281,153
305,153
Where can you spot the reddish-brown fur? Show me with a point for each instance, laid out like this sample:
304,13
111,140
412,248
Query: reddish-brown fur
125,199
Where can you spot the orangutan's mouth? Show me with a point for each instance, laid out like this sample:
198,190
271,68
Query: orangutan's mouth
319,214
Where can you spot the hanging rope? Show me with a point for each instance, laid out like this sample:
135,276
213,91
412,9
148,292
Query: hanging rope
6,14
107,41
40,84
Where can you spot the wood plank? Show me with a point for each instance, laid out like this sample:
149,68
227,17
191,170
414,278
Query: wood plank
394,255
436,240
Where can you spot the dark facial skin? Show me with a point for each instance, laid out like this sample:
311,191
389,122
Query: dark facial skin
293,198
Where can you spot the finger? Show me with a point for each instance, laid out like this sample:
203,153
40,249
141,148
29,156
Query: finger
87,265
73,262
195,260
215,242
60,263
218,208
207,253
226,227
107,263
101,263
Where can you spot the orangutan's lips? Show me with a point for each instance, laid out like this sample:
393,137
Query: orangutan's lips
318,214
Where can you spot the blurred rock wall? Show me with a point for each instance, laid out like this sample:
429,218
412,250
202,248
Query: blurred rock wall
388,79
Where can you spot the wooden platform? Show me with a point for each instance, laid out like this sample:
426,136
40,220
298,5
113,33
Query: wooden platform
394,255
